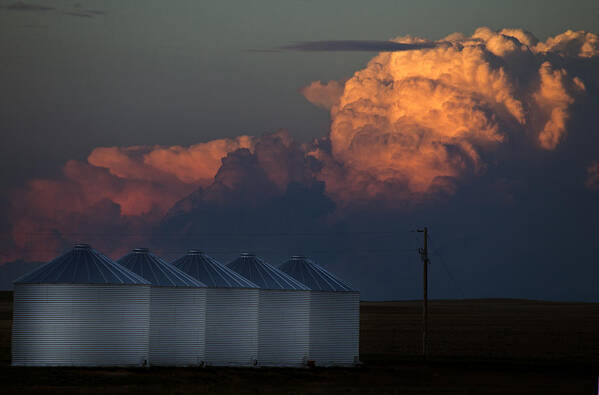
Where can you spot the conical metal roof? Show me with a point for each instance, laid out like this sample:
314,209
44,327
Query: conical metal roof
81,265
263,274
211,272
156,270
312,275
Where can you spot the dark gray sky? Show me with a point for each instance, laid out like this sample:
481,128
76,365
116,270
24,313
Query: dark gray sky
76,75
155,72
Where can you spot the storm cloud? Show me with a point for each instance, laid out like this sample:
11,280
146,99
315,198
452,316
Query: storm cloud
490,128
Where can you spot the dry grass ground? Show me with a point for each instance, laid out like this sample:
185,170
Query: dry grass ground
477,346
490,330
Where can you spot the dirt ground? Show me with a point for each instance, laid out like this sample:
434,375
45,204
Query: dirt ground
477,347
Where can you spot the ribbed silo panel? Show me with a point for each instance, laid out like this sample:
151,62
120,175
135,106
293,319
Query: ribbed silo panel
283,338
80,325
232,326
334,327
177,326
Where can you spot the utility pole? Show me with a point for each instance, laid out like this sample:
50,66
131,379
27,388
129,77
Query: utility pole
424,255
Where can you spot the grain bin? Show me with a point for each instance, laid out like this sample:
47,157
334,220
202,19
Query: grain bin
177,310
283,318
81,309
231,310
334,313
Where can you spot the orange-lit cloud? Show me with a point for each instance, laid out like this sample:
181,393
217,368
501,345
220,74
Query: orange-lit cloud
324,95
409,127
556,93
571,43
130,186
196,163
427,117
90,200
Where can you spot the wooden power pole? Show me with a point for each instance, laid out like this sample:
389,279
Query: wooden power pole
424,255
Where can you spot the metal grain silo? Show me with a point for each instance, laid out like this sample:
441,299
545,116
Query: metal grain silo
81,309
177,310
283,319
334,313
231,310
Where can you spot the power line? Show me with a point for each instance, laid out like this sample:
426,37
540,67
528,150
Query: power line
100,237
286,251
443,263
220,234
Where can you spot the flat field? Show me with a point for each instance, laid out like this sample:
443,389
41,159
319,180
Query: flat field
476,347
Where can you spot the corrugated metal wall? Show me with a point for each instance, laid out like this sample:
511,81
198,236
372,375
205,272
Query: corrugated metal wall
334,327
177,326
283,338
232,326
80,325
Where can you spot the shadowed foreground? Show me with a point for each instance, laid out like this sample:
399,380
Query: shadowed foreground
477,346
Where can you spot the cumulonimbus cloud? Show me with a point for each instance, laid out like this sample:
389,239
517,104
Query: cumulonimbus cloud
410,126
426,118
